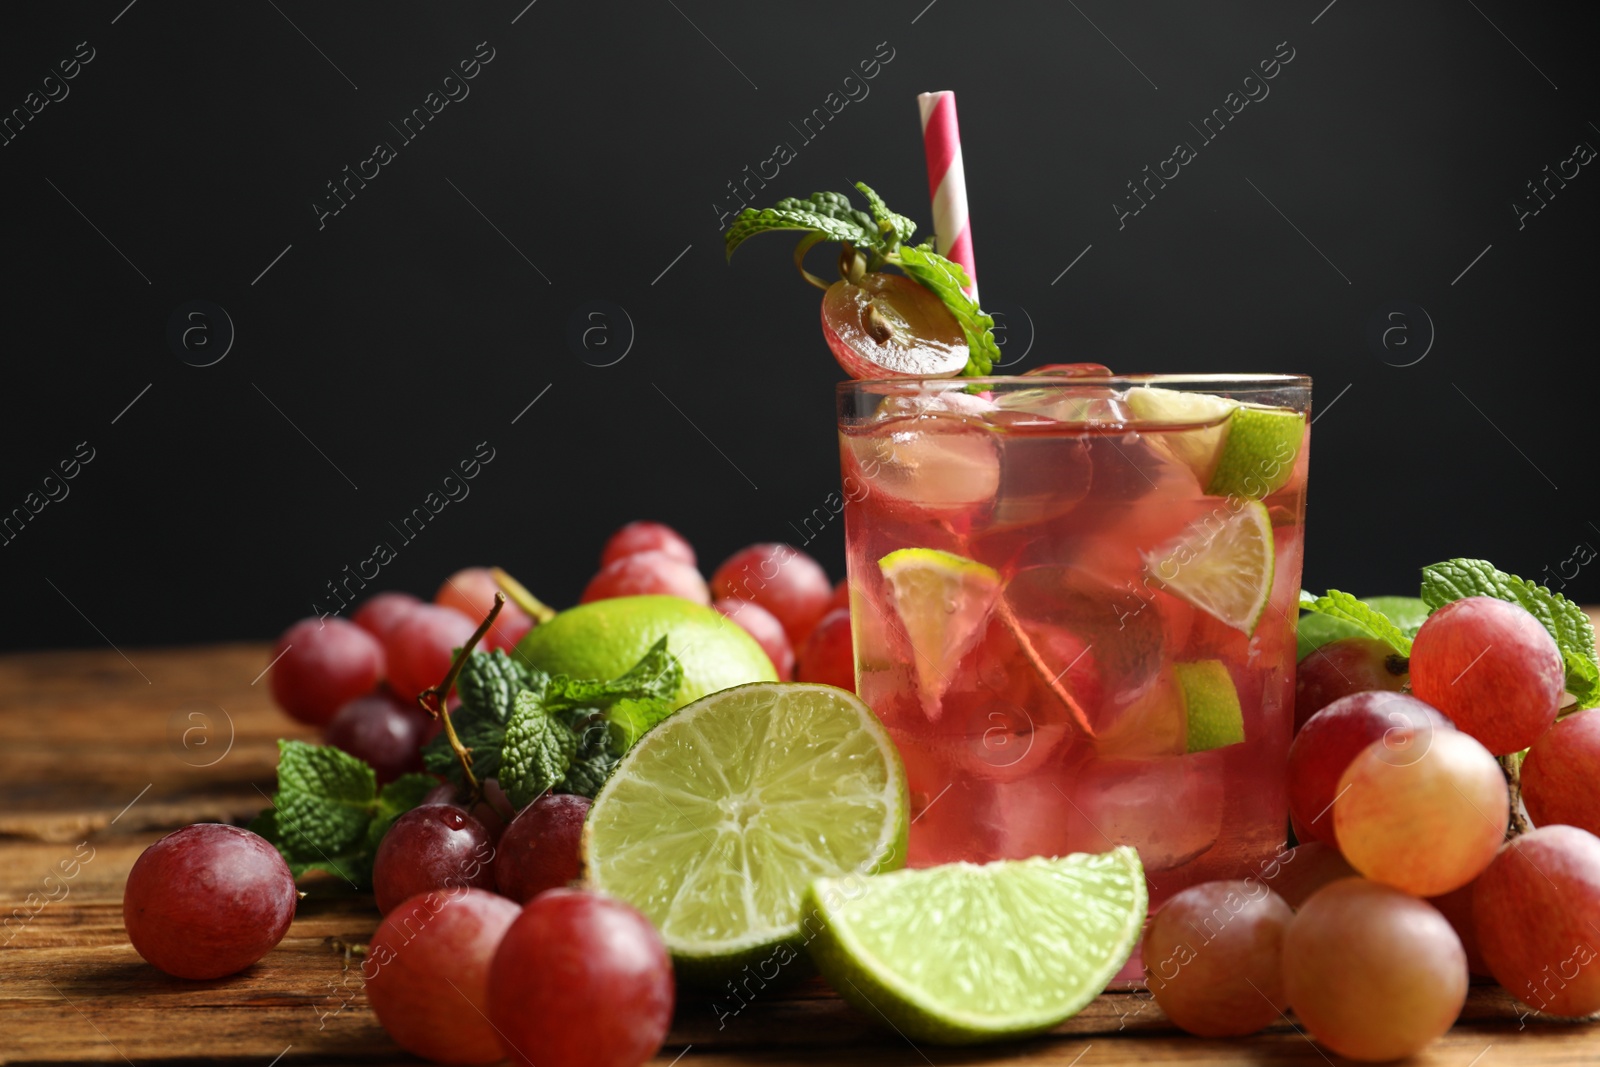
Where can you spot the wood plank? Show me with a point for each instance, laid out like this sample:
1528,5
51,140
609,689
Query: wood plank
93,767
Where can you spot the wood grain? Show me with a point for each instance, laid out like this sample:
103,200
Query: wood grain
99,756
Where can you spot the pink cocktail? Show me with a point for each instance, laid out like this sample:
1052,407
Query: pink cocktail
1091,640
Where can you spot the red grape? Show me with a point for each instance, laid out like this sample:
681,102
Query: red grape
580,980
1561,774
647,537
1426,822
208,900
540,849
1537,912
1306,868
1333,737
381,731
471,592
427,973
435,846
1339,668
320,665
760,624
1492,668
828,655
784,580
1212,957
379,613
647,574
494,812
422,647
889,326
1456,906
841,595
1373,973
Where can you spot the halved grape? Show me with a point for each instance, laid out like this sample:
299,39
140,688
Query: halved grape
891,327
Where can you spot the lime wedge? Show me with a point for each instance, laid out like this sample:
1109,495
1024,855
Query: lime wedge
944,600
1212,704
962,953
717,820
1223,566
1234,449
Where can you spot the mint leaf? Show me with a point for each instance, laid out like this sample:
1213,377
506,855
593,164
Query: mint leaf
538,751
896,228
488,688
631,719
829,214
1369,619
328,814
946,279
1566,622
594,761
657,676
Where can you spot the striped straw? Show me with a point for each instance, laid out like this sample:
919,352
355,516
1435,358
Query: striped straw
947,182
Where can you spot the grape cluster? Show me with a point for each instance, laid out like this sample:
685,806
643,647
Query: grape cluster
1405,882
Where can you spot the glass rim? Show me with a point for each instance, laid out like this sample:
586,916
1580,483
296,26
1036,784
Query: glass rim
1244,380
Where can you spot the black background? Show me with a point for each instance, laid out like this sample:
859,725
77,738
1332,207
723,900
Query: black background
385,344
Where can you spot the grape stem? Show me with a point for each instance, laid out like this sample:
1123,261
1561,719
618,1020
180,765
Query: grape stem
536,609
1511,766
435,701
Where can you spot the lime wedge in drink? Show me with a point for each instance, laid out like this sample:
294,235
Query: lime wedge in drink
962,953
1221,565
1234,449
944,600
1212,704
717,820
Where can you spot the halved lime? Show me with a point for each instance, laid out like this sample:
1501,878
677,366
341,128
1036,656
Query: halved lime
717,820
1234,449
944,600
1212,704
1222,564
965,953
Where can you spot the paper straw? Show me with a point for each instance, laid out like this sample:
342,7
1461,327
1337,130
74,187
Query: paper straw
947,182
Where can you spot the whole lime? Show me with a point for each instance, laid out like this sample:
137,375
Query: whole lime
605,638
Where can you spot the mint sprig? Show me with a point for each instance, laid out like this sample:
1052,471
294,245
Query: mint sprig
328,813
883,237
537,751
1364,617
1566,622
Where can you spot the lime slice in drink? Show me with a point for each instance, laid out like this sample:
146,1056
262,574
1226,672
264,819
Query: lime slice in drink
1234,449
717,820
1212,704
962,953
944,600
1221,564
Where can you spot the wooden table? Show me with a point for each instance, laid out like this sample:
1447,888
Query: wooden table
101,754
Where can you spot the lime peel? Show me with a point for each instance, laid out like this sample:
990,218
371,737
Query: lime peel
1225,569
1211,704
944,601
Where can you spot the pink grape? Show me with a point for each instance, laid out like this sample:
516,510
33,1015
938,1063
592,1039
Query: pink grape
1304,869
1561,774
762,625
207,901
1212,957
647,537
841,595
380,613
540,849
784,580
1339,668
1373,973
422,647
647,574
320,665
381,731
427,973
1427,821
435,846
1456,907
580,980
1537,910
1492,668
471,591
889,326
828,655
1333,737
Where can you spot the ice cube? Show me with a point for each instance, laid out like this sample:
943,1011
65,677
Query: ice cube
1169,808
1090,407
937,463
